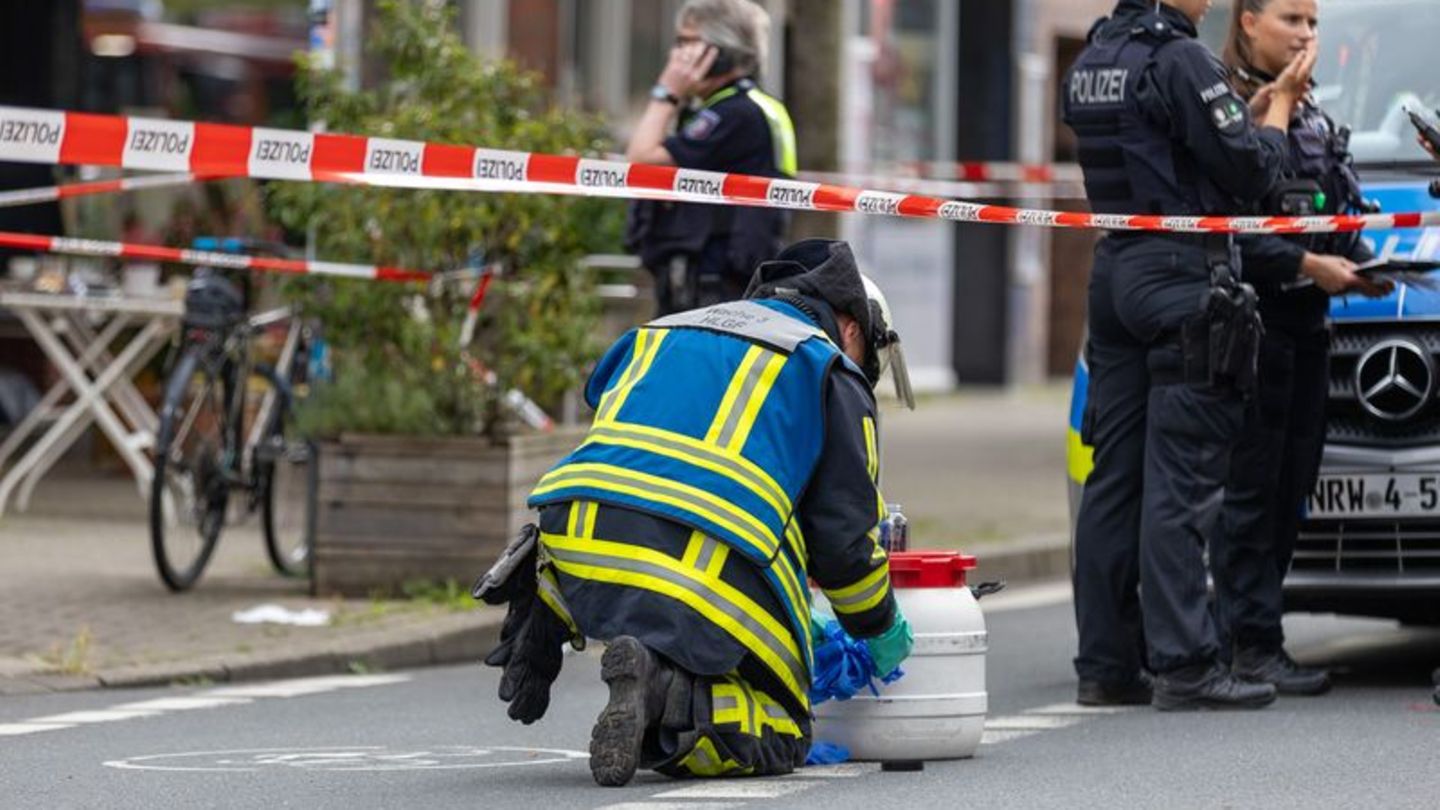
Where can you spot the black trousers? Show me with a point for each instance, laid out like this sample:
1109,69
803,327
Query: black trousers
1271,473
1162,449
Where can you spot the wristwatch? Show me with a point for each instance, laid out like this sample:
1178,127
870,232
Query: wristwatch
662,93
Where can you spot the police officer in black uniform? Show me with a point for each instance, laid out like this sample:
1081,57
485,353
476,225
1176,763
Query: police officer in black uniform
1171,347
1278,458
703,254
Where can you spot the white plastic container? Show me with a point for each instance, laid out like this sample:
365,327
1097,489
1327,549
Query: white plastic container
937,710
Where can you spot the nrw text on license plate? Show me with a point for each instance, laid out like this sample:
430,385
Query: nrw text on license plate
1375,495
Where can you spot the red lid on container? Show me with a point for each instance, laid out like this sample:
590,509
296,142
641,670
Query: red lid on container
929,569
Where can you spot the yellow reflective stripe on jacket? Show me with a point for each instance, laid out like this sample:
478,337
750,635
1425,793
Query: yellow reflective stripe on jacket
705,760
872,466
872,453
663,490
647,345
581,519
678,446
549,592
782,130
749,386
719,602
796,539
863,595
729,704
719,96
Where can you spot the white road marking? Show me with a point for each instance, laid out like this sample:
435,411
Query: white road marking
671,806
94,716
209,699
305,686
1027,598
735,789
349,758
993,737
1076,708
1038,722
1039,719
845,770
16,729
181,704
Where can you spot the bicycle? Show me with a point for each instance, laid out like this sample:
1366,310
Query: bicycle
203,452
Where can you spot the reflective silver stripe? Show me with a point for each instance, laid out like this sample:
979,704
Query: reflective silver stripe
776,645
755,727
722,703
775,710
735,468
582,518
742,399
546,582
703,758
708,547
627,377
739,516
745,319
855,599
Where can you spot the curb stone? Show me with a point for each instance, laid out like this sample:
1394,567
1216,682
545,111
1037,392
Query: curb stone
457,639
1024,562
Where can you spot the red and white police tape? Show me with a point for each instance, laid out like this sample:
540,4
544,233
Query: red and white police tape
55,137
128,250
32,196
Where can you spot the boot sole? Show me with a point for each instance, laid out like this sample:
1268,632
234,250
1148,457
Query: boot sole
1319,687
1169,704
620,728
1307,691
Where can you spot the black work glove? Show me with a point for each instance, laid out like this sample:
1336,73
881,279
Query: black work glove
530,637
531,660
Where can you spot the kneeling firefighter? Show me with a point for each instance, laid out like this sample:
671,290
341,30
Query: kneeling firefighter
733,457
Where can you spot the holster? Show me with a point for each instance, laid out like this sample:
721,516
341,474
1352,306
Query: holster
1220,344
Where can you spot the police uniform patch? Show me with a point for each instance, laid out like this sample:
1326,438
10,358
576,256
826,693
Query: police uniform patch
1228,115
701,125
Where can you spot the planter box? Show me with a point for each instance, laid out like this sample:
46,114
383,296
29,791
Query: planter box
392,509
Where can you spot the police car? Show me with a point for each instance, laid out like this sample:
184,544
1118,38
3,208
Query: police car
1369,543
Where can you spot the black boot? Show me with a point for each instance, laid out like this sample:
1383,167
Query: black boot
1208,686
1136,692
1259,665
638,683
1435,678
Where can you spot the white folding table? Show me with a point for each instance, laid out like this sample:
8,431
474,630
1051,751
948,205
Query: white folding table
85,337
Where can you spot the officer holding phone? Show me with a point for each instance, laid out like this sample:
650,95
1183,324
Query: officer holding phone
706,112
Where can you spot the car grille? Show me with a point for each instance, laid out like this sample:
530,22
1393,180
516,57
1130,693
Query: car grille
1368,546
1347,421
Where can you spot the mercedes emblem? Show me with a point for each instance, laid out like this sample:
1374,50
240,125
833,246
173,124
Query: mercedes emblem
1394,379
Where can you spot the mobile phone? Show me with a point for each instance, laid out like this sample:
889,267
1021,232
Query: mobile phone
1427,131
724,62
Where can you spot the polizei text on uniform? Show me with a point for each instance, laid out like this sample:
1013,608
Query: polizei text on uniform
1098,86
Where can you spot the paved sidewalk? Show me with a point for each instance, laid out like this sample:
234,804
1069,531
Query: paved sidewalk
81,605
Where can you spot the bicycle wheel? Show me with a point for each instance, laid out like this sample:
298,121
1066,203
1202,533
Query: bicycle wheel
286,475
189,493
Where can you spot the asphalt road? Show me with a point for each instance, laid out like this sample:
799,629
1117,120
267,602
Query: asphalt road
438,738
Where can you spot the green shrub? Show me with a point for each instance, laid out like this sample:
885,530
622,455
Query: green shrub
398,365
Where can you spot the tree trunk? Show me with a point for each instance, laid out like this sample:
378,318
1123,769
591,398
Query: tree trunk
813,46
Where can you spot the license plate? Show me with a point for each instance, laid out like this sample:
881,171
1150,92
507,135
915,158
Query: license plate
1375,495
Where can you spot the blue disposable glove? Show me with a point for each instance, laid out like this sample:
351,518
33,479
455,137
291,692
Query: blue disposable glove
891,647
